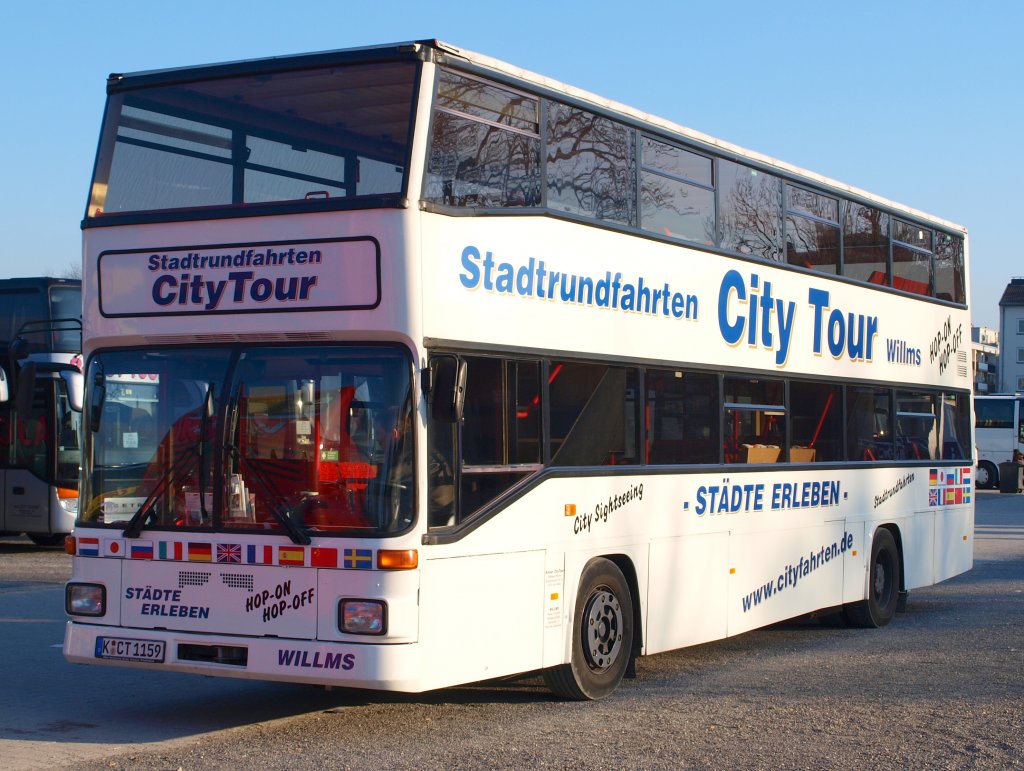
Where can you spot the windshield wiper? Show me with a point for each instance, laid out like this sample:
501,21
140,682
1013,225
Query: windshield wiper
281,514
134,526
204,425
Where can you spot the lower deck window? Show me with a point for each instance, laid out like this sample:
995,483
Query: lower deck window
523,415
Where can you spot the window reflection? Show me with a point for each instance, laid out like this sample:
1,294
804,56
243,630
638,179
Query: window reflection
866,244
590,165
750,211
949,268
484,148
812,230
676,197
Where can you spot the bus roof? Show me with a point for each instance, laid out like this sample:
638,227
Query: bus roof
36,282
445,53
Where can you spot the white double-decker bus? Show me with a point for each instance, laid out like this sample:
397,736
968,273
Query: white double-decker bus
408,368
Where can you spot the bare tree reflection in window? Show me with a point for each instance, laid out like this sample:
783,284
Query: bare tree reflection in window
949,267
485,149
750,211
812,244
866,243
590,165
676,194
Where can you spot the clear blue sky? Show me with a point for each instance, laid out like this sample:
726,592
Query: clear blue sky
920,102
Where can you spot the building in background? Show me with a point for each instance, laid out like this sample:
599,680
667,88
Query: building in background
985,359
1011,337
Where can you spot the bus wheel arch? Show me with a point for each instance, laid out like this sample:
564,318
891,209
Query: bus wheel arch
885,581
604,632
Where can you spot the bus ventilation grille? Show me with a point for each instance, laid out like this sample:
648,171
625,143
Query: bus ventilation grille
232,655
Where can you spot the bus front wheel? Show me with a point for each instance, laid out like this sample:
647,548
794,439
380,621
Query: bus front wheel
883,585
602,636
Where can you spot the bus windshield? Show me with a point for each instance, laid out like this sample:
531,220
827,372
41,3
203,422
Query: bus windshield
310,136
310,440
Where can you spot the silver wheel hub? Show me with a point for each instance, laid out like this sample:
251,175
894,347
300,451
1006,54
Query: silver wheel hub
603,624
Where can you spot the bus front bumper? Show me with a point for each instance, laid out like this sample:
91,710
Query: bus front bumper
390,667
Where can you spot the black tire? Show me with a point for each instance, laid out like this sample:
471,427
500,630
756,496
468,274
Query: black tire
883,585
988,475
56,539
602,636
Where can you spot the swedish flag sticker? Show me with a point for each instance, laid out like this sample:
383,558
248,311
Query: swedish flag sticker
358,559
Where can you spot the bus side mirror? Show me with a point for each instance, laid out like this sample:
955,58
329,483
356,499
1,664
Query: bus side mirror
97,396
75,384
447,388
25,385
5,392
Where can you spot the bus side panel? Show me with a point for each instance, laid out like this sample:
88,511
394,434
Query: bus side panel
918,567
855,567
688,592
481,617
785,573
954,543
26,502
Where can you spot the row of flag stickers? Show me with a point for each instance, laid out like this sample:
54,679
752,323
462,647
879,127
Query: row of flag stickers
239,554
949,487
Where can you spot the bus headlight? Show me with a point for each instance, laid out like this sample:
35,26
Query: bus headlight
85,599
363,616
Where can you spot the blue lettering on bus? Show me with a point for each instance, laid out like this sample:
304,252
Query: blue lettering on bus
740,498
773,315
290,657
239,287
536,279
849,333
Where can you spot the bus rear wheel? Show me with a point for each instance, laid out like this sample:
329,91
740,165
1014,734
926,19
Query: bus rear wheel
987,475
883,585
602,636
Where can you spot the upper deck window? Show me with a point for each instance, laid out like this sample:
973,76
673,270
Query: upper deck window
750,211
590,165
488,139
485,145
911,257
676,193
812,230
309,135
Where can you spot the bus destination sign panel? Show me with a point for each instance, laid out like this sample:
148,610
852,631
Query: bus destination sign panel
334,274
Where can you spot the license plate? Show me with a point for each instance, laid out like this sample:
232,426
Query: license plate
127,649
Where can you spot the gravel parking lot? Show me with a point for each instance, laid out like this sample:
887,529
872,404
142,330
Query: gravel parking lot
940,687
